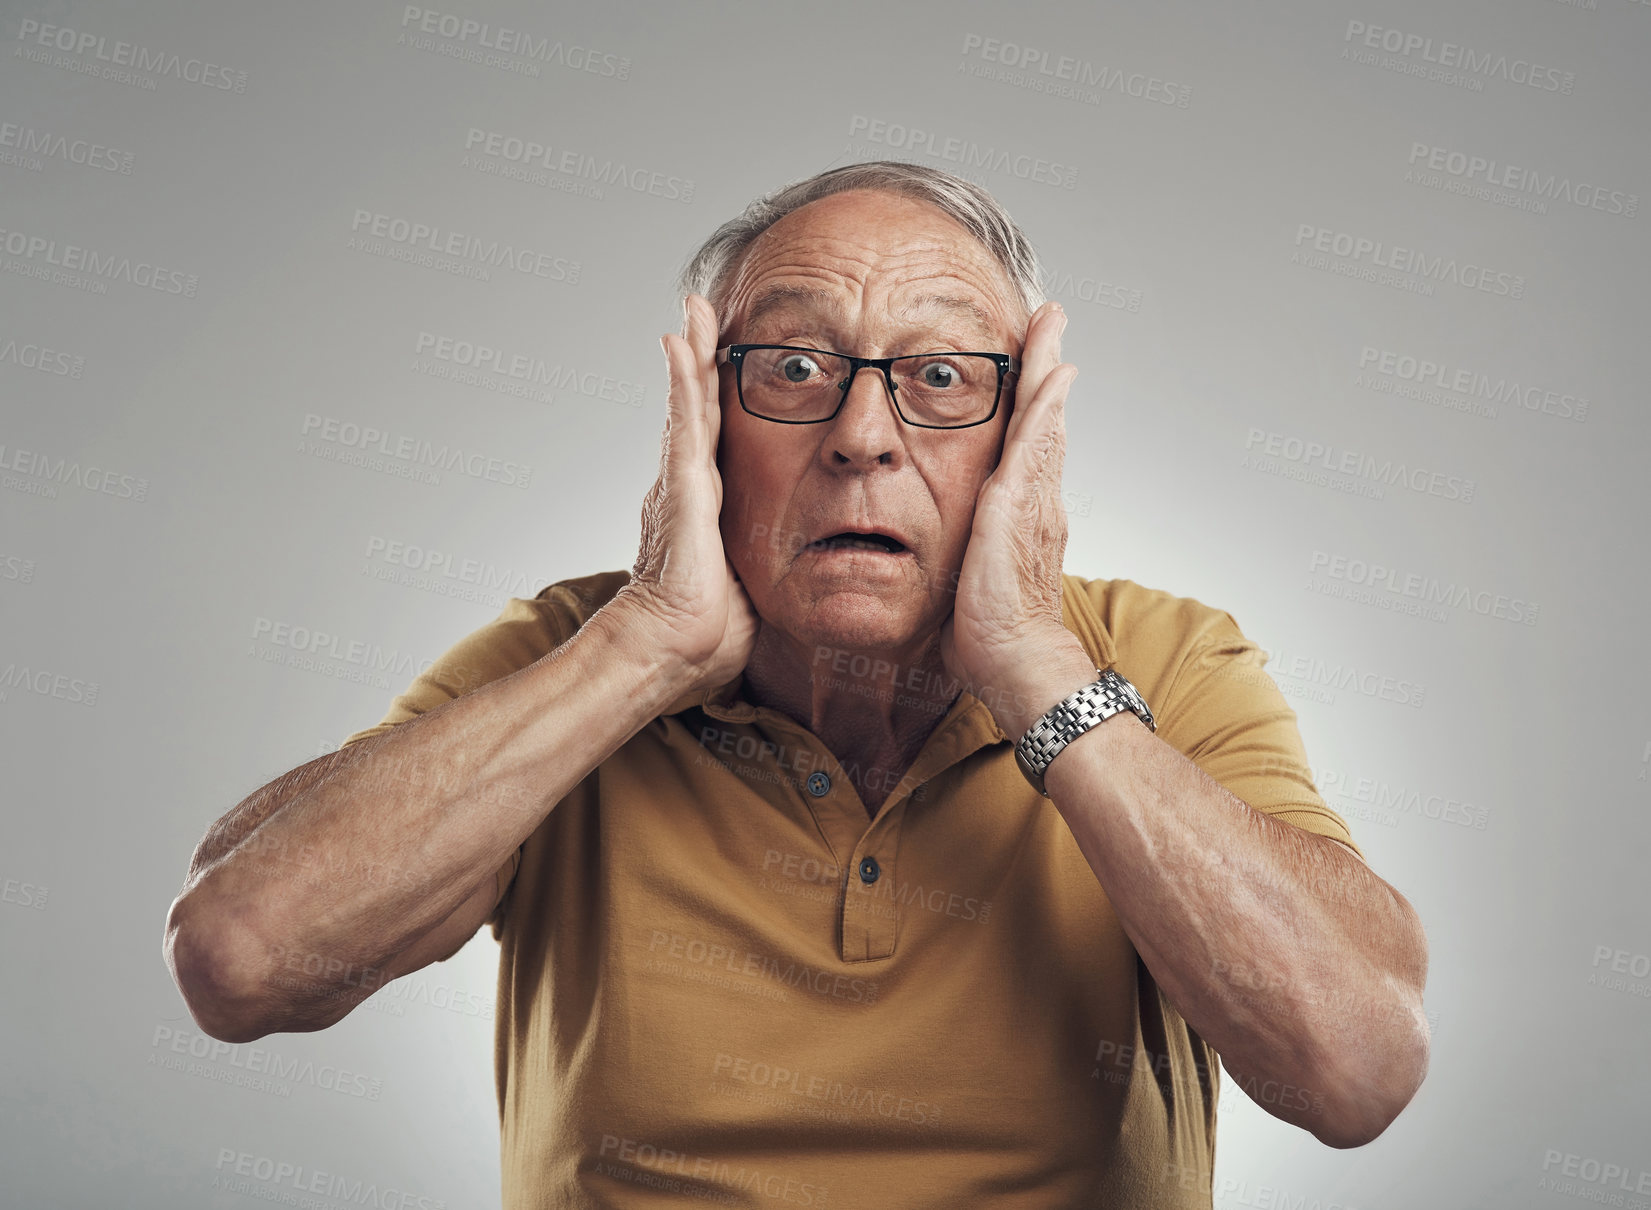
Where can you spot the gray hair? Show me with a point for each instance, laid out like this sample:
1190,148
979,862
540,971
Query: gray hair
710,271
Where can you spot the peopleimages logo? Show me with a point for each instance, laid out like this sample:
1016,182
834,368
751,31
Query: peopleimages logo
329,432
45,476
1453,55
530,153
209,1055
484,36
27,141
1487,179
323,644
1266,446
1089,289
76,259
1062,75
1317,673
1378,254
1427,589
1424,372
108,57
406,239
31,356
440,571
45,683
534,371
783,972
15,567
288,1183
697,1176
829,1089
1383,802
966,153
1591,1179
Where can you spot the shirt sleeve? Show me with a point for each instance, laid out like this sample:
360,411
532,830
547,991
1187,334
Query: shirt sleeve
523,632
1226,714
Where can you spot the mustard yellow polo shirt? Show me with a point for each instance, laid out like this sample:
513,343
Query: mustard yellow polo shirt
721,979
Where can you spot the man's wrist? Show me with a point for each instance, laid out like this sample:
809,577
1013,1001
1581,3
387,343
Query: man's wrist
657,675
1040,678
1054,773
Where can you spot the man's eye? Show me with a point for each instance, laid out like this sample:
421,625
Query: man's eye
939,374
798,367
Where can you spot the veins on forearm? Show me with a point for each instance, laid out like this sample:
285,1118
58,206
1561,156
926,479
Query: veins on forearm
1261,935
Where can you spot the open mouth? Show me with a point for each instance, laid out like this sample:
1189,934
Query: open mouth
858,541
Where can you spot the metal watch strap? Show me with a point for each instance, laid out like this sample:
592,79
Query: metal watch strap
1088,707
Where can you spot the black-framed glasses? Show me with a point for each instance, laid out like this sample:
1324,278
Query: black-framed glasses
790,384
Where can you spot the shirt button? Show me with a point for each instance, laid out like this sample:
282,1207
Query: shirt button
869,870
819,785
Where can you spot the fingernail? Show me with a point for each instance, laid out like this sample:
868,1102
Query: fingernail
687,316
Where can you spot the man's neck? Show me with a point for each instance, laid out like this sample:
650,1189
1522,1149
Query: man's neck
872,710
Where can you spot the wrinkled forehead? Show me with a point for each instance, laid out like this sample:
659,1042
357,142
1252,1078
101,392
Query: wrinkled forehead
901,262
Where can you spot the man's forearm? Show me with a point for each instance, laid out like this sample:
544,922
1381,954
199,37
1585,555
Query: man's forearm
346,862
1301,967
1282,949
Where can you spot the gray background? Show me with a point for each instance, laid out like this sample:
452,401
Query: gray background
1493,769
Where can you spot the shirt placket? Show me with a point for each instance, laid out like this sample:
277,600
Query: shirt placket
867,915
867,850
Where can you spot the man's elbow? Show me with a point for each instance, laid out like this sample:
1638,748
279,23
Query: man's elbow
1374,1084
224,994
1367,1103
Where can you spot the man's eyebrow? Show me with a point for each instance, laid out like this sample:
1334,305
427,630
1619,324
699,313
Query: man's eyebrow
783,296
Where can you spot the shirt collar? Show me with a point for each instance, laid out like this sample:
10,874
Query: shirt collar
1079,615
726,701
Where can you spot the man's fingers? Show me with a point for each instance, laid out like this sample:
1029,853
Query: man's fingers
704,340
1030,469
700,328
1040,355
684,383
686,414
1043,345
1044,419
1048,353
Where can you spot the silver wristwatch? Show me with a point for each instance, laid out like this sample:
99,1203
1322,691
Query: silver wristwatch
1093,704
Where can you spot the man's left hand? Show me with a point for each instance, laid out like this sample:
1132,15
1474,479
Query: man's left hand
1004,639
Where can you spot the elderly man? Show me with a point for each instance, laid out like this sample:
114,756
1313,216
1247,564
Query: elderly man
845,852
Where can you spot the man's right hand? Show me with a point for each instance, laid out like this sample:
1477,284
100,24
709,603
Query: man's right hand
687,599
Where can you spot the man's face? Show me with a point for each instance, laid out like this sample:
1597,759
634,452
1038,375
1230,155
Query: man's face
889,275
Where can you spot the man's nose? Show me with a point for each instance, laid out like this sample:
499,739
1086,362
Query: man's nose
866,429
